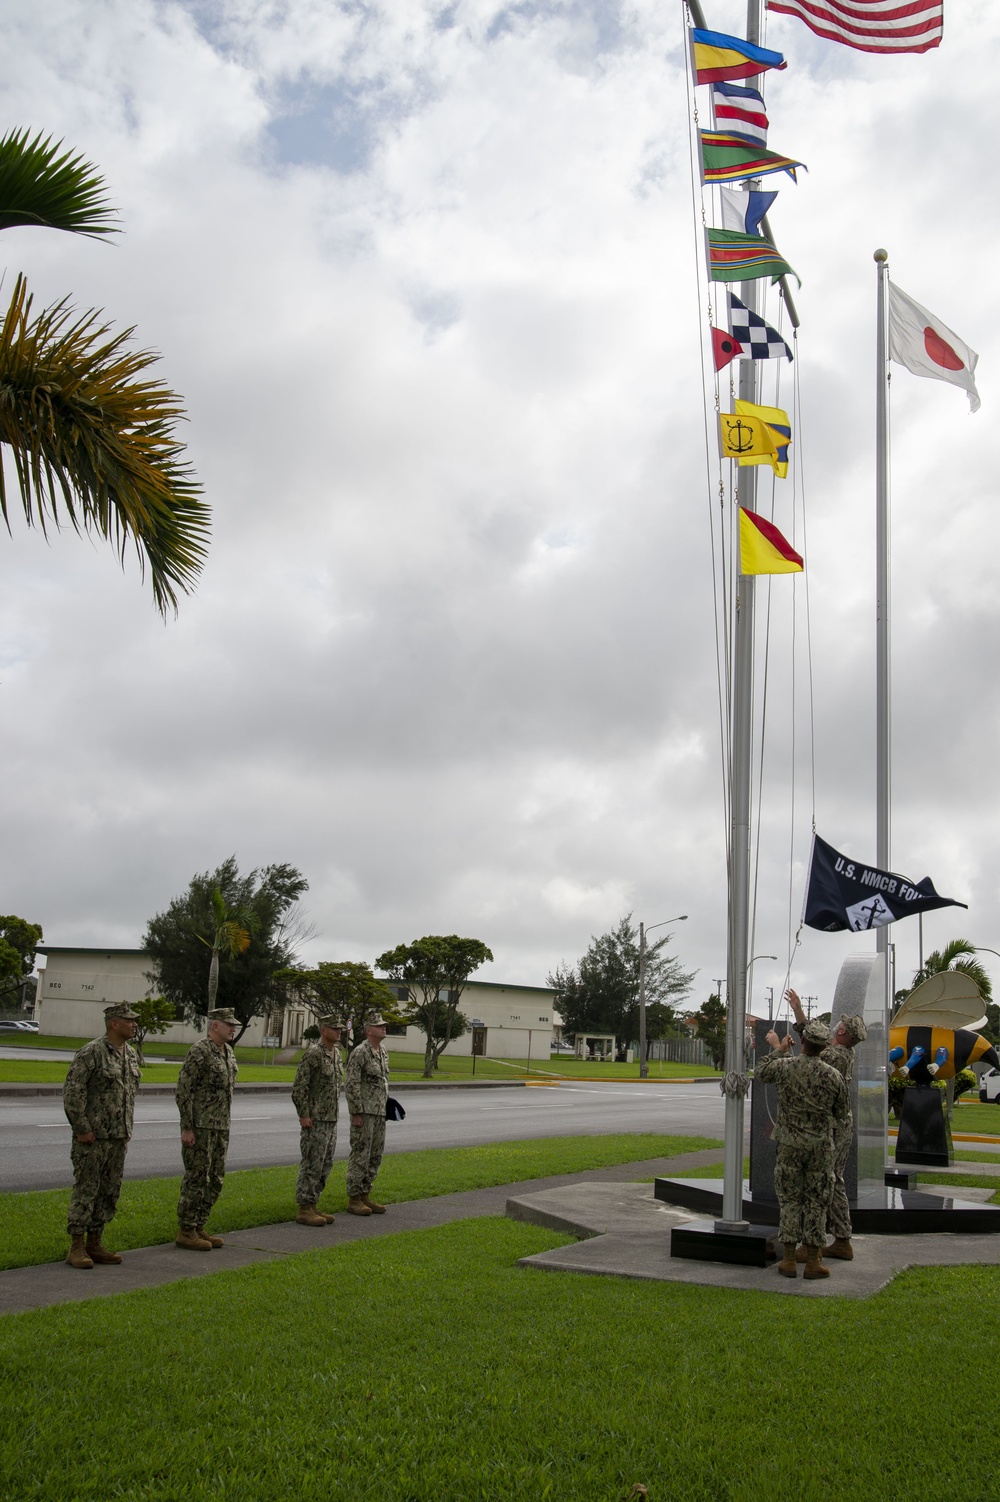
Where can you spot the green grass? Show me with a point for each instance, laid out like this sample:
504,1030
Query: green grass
973,1116
153,1046
965,1181
42,1072
428,1367
33,1225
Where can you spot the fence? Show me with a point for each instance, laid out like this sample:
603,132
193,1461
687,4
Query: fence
681,1051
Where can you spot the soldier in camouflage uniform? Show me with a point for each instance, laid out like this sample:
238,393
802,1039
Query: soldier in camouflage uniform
316,1098
849,1032
99,1099
812,1099
204,1099
367,1090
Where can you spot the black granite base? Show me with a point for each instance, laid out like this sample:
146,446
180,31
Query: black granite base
882,1211
703,1242
900,1178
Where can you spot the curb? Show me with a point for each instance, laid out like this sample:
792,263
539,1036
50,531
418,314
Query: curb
280,1087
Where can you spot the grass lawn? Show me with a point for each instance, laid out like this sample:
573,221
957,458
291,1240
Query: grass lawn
33,1225
428,1367
972,1116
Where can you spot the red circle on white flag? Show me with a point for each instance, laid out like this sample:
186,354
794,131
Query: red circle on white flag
940,351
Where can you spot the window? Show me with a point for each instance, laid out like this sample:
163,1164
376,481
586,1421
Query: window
396,1030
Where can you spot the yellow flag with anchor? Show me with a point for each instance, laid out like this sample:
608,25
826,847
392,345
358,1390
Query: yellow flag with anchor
747,438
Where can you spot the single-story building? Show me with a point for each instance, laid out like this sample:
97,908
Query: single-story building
76,984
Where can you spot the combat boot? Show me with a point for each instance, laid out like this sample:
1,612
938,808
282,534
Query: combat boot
841,1248
814,1265
357,1206
802,1254
77,1254
373,1205
786,1266
207,1236
189,1238
308,1215
98,1252
326,1215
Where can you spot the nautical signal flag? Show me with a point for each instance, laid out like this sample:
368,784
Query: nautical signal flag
718,56
743,212
759,341
763,550
780,429
724,348
927,347
871,25
733,257
746,438
740,110
729,158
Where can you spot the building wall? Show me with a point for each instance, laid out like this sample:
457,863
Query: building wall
77,984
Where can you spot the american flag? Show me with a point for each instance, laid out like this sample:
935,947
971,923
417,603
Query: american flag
871,25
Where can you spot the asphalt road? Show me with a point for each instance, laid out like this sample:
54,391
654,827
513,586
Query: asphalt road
35,1137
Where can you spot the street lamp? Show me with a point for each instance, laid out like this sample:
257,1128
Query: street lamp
643,931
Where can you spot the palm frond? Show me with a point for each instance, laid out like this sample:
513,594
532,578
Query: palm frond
92,443
41,184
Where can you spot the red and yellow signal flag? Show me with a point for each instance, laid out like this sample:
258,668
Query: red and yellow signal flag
718,56
763,550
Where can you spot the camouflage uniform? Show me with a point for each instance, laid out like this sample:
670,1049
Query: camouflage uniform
99,1097
367,1089
838,1219
316,1093
204,1099
812,1101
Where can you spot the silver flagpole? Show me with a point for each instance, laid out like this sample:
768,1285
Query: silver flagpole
736,1084
883,682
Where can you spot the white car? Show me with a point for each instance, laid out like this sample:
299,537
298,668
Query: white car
989,1087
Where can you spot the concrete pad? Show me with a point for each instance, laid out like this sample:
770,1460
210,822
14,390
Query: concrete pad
627,1235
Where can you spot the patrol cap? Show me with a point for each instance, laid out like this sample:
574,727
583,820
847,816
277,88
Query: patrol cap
121,1009
816,1032
856,1027
331,1020
377,1021
224,1014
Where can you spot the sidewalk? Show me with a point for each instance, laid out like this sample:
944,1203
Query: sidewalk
39,1287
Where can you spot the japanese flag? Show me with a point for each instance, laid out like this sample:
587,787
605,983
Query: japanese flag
927,347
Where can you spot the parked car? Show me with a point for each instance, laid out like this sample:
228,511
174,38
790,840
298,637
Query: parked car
19,1027
989,1087
562,1047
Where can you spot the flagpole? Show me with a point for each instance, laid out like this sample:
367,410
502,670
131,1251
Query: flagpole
883,685
736,1084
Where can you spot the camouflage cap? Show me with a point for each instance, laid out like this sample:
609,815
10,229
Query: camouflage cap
331,1020
224,1014
856,1027
377,1021
816,1032
121,1009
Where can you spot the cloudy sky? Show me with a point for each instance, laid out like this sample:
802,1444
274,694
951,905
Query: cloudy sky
426,277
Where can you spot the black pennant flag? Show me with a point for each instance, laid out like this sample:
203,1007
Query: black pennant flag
844,893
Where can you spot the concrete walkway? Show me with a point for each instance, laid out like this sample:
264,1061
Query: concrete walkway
38,1287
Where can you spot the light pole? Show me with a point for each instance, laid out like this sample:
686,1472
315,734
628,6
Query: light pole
643,931
749,990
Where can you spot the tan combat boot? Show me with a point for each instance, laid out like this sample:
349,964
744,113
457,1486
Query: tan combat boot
841,1248
77,1254
786,1266
373,1205
326,1215
97,1252
801,1254
357,1206
308,1215
207,1236
188,1238
814,1266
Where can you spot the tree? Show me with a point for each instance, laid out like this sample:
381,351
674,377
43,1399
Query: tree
959,954
155,1016
435,971
91,437
176,940
346,988
601,993
18,942
710,1026
233,929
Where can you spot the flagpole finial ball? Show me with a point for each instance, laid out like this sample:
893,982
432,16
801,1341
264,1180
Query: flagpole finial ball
881,255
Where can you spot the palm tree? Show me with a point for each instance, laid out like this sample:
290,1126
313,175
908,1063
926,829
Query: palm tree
234,928
92,441
959,954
